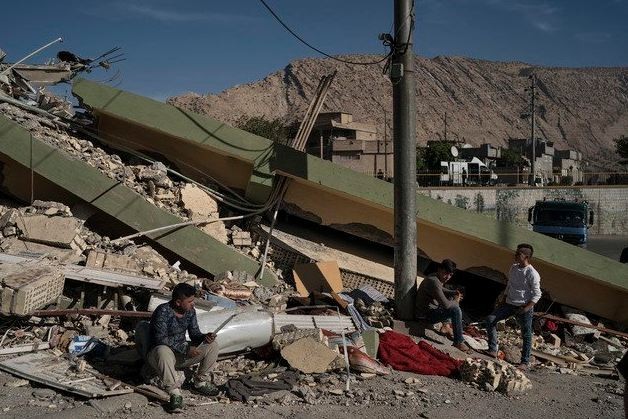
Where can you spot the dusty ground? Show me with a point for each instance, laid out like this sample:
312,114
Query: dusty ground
553,396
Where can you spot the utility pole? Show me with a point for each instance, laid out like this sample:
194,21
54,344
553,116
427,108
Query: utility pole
385,145
405,187
533,134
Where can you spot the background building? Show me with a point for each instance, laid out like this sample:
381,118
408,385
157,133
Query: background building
355,145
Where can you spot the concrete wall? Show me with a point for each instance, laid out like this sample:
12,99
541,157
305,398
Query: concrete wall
609,203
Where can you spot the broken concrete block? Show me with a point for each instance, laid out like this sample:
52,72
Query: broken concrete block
554,340
9,231
122,335
242,238
224,276
494,376
109,261
199,206
284,339
104,320
277,300
58,231
242,277
157,173
9,218
31,288
96,331
51,208
308,356
578,316
198,202
512,353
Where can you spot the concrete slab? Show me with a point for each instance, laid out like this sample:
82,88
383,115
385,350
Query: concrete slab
31,287
202,206
58,231
308,355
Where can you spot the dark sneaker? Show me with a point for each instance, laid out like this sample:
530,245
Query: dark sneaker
176,403
206,389
463,347
523,367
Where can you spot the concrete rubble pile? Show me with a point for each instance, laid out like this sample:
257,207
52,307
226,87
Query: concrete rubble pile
494,376
566,349
73,296
29,82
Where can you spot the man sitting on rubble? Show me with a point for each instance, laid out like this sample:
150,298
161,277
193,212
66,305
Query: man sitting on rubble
170,351
437,304
523,291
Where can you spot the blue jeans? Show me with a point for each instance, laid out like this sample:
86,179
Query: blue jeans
525,321
436,315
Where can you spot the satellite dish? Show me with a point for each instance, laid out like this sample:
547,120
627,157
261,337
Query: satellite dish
454,151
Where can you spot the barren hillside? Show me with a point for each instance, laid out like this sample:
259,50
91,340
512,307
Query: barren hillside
579,108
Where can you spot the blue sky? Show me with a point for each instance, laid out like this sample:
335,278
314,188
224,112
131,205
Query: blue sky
173,47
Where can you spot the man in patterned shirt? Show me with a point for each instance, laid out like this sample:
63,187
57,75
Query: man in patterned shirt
170,351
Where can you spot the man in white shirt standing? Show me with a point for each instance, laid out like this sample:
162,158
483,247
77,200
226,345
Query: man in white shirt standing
522,293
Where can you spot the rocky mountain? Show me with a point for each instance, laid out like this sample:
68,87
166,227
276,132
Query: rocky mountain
578,108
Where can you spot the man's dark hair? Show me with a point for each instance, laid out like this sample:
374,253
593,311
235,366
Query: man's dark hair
448,266
526,246
182,291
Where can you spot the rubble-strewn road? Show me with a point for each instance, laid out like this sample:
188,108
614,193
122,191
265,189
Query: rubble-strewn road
553,396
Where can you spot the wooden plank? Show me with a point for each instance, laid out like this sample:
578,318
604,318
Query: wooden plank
589,326
31,347
320,276
47,369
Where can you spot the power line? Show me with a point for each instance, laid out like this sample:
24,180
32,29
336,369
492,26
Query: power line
316,49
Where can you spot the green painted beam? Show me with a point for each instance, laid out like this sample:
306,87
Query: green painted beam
187,126
348,182
117,200
268,157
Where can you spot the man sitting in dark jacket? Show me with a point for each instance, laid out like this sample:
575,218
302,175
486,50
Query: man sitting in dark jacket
437,304
170,351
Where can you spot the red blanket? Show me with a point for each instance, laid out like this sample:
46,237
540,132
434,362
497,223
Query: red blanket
400,352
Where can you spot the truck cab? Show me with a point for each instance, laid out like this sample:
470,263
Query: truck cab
568,221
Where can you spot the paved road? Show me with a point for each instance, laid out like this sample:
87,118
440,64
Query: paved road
609,246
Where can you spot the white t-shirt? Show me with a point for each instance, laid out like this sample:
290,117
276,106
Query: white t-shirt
524,285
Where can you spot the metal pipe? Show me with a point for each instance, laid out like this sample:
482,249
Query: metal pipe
183,224
6,70
91,312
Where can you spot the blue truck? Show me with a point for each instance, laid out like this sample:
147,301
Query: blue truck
568,221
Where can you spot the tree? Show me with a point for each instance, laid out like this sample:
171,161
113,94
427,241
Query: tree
275,130
420,159
436,153
510,158
621,145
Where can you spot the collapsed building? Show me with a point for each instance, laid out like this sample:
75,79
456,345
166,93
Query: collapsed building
139,189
